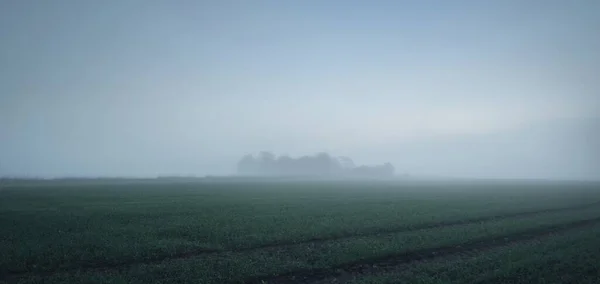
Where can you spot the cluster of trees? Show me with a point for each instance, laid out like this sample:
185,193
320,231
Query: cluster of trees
322,164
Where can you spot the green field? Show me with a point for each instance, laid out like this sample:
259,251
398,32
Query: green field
258,231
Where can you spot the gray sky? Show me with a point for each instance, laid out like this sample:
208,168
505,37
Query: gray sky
453,88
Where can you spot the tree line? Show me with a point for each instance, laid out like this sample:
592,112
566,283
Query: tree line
321,164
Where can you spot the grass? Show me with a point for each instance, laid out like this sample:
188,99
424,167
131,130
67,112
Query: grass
153,232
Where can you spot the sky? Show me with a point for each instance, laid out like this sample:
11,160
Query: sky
492,89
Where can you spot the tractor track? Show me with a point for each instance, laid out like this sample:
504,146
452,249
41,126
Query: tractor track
367,233
385,263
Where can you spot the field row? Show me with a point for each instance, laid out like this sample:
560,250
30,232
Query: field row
391,261
66,227
47,266
330,258
243,232
569,257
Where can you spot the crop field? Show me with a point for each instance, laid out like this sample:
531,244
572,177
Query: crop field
260,231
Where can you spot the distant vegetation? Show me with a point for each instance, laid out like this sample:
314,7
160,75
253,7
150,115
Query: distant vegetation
322,164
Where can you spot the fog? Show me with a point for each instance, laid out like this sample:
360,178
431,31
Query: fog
492,89
320,165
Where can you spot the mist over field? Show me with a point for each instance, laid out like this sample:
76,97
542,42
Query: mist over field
477,89
306,141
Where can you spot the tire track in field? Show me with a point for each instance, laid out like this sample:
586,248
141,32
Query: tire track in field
317,240
417,227
384,263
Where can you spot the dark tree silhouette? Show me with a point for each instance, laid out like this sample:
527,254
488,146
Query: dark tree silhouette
321,164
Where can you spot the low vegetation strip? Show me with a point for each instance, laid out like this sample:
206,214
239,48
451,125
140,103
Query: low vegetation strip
423,226
236,267
373,265
314,241
566,257
110,265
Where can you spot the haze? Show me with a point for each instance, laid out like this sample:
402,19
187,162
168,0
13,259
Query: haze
492,89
